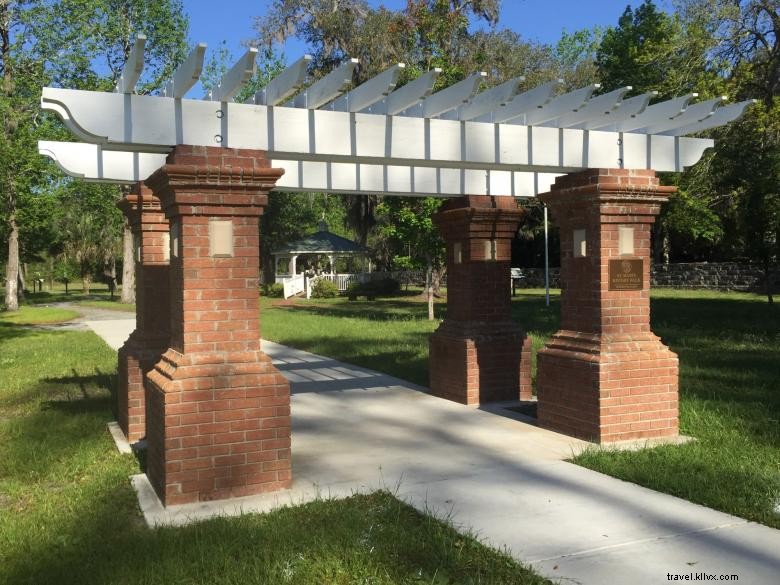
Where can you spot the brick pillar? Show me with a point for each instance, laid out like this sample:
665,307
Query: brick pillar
478,354
218,410
605,376
152,332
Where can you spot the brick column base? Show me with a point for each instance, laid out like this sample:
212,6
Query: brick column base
608,389
474,365
218,427
478,354
136,357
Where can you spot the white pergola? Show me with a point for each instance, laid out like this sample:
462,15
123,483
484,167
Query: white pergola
378,137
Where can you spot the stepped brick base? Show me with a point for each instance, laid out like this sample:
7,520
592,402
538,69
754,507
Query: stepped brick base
219,426
472,366
136,357
607,389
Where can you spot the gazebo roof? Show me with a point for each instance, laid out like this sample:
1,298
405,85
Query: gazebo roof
322,242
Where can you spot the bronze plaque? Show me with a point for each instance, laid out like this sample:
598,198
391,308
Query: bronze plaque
625,274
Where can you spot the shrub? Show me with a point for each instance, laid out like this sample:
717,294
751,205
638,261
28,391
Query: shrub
324,289
385,287
274,290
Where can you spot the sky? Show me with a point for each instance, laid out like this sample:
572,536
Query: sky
534,20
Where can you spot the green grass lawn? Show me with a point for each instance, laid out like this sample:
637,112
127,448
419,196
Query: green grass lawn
729,348
68,514
27,315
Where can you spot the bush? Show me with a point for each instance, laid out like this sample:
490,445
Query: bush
274,290
385,287
324,289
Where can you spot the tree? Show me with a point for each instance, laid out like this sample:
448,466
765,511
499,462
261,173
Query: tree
575,56
408,223
73,44
743,172
84,236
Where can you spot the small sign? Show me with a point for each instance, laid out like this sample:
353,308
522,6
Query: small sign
625,274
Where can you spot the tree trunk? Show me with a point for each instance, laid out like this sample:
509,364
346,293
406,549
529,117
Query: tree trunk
51,273
768,280
12,269
85,281
429,288
22,281
128,266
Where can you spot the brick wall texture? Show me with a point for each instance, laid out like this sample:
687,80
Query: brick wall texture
478,354
218,410
605,376
152,333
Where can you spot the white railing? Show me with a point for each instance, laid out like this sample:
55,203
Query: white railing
293,285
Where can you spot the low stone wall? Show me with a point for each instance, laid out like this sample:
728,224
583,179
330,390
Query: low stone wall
705,275
714,276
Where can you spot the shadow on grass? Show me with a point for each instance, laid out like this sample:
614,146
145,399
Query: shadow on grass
380,310
388,357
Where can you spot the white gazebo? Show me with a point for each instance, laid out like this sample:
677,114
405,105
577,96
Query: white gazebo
321,244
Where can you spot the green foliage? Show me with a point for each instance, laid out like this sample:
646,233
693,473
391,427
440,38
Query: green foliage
652,50
269,64
373,289
407,223
324,289
274,290
75,44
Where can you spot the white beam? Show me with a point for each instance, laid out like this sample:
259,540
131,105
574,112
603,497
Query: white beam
326,89
719,117
489,100
91,163
558,106
654,114
448,98
133,68
285,84
156,124
240,74
407,95
598,106
369,92
692,115
186,74
525,102
625,110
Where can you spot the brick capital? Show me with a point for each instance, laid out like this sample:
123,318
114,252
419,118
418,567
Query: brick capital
214,181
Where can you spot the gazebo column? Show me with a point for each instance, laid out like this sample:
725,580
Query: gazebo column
605,376
151,336
293,263
332,260
478,354
219,411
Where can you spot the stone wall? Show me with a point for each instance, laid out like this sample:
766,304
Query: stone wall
713,275
706,275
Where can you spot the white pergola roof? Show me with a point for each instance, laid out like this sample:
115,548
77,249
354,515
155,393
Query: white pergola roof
377,137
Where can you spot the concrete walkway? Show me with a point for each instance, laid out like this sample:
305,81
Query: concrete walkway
357,430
